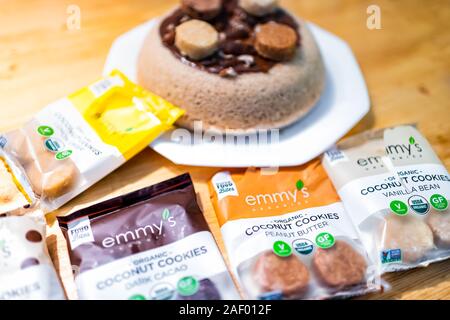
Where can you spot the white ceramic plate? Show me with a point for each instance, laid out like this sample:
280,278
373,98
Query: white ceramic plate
344,102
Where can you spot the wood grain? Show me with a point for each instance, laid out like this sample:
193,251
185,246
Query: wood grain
406,65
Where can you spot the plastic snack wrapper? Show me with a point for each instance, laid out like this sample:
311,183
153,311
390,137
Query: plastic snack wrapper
288,236
396,190
26,270
150,244
16,195
77,140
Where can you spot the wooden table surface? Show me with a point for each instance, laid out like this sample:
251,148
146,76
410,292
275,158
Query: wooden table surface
406,65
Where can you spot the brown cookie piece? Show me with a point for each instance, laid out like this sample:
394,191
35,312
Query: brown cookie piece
29,262
339,266
54,181
33,236
275,41
26,144
196,39
18,147
202,9
409,234
288,274
439,223
259,8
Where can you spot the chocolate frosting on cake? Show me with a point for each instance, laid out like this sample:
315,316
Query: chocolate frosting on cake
237,53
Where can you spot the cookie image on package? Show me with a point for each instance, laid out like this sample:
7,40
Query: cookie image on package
339,266
439,223
51,179
409,234
286,274
24,243
26,270
207,291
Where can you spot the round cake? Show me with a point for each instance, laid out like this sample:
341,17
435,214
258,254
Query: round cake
236,66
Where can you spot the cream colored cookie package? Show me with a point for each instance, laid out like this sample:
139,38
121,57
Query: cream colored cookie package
396,191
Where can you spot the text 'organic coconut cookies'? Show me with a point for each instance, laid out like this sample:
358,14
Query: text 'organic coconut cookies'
396,191
151,244
288,236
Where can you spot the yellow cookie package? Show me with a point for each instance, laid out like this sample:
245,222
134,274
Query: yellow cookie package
76,141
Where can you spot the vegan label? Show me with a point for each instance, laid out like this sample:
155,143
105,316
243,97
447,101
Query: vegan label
439,202
325,240
282,249
419,204
399,207
45,131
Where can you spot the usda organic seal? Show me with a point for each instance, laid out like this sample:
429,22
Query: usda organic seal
419,204
303,246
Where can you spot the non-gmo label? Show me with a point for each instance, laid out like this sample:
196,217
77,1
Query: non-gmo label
54,145
282,249
390,256
45,131
303,246
419,204
188,286
399,207
325,240
439,202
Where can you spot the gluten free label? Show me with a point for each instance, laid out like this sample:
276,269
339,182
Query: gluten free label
188,286
325,240
439,202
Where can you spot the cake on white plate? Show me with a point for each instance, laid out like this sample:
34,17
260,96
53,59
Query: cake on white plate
234,65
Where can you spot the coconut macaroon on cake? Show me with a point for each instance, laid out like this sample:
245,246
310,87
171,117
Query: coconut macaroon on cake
234,65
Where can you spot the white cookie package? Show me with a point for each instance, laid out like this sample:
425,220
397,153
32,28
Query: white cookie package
396,191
